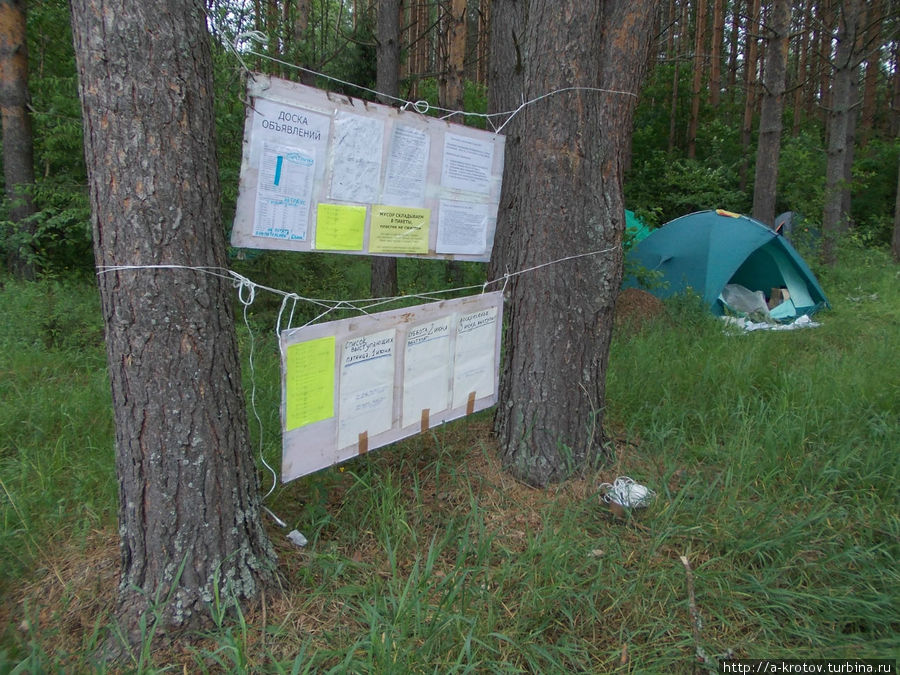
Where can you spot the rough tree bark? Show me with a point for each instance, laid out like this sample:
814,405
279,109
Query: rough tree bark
750,82
768,148
895,239
451,89
188,505
699,66
562,196
835,219
715,56
18,149
383,282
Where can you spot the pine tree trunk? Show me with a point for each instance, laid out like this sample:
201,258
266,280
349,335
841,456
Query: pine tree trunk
188,504
18,149
895,240
840,131
383,283
715,58
697,81
874,14
768,147
802,77
749,90
562,196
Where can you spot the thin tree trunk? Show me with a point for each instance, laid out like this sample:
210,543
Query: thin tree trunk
734,46
768,148
894,123
383,283
699,64
562,196
835,218
18,149
874,13
802,77
750,66
715,58
895,241
484,31
451,92
188,502
676,79
303,41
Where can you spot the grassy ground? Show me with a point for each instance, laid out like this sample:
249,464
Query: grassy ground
774,457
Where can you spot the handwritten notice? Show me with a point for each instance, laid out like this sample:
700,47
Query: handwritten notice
366,387
467,164
356,154
284,194
309,382
474,365
407,167
426,372
462,227
399,230
340,227
392,375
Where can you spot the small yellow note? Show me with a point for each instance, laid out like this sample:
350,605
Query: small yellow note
399,229
340,227
309,382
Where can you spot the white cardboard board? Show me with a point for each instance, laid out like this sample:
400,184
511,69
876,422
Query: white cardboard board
326,172
354,385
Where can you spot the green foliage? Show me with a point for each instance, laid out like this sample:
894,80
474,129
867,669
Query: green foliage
674,187
874,190
801,176
61,238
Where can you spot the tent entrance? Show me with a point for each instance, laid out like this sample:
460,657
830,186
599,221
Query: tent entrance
769,267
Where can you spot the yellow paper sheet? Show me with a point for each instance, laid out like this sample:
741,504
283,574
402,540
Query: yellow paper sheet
309,382
340,227
399,229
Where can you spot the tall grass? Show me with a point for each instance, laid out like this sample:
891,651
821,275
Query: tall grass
774,458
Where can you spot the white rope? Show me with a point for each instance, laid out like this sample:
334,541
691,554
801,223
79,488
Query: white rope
246,292
247,289
421,106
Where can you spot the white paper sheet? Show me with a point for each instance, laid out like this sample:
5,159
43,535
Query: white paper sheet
462,227
284,193
467,164
473,363
404,181
357,149
426,380
380,371
366,386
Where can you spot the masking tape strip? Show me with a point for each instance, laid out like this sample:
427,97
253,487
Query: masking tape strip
470,404
363,446
426,412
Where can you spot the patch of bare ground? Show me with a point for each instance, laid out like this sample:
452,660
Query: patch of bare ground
635,309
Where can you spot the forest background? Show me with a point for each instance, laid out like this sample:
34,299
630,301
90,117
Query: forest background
703,124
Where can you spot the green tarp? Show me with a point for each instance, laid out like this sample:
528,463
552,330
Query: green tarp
635,229
705,251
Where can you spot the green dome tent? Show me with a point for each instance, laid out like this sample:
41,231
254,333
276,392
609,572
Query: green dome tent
708,250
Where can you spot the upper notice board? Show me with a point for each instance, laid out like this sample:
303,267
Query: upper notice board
325,172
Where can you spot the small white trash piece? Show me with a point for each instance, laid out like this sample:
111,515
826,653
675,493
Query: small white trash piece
625,492
297,538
